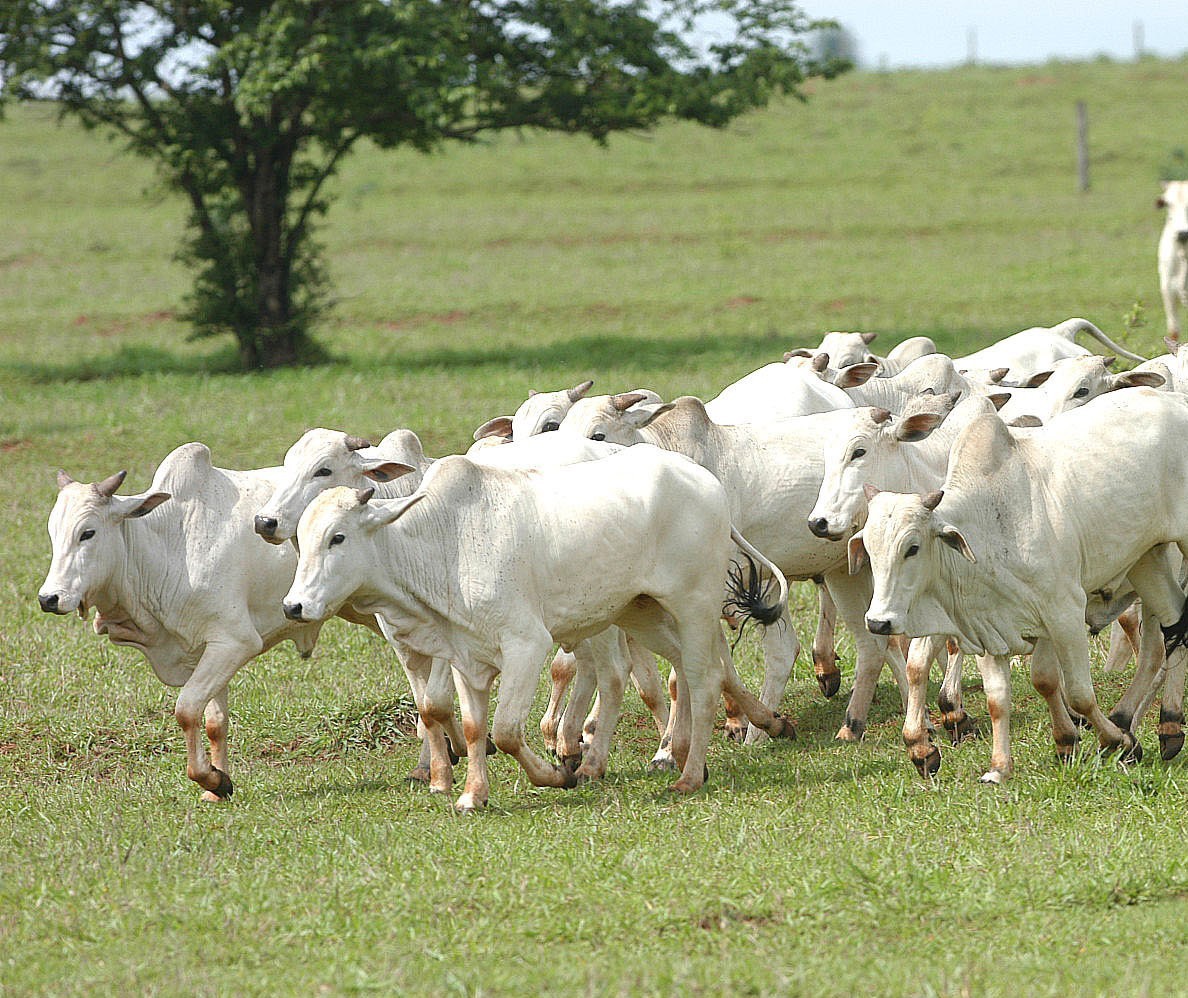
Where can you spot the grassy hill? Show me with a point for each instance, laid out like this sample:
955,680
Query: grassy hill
938,203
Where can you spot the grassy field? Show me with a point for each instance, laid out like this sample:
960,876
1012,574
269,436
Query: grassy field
910,203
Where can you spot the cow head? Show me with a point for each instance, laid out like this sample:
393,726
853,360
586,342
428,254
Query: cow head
870,452
338,551
1076,380
904,538
321,460
542,412
845,349
86,531
616,419
1174,199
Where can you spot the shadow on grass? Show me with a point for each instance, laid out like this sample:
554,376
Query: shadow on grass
583,353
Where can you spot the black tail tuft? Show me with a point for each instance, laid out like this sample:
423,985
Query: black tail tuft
749,595
1176,635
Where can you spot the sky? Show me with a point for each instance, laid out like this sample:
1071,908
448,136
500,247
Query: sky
895,33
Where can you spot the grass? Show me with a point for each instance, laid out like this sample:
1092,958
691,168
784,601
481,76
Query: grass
910,203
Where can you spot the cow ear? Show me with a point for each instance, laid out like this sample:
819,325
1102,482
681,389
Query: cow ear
798,352
133,507
1160,202
500,426
855,375
382,515
856,553
999,399
386,471
1139,379
956,540
1037,379
639,416
1173,346
917,426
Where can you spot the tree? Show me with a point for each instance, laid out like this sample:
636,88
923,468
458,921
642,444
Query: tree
248,108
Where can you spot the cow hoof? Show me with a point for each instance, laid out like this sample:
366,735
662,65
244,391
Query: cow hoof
418,775
846,734
662,764
830,683
225,788
930,765
571,763
735,732
1080,720
964,729
786,730
492,748
210,797
1132,754
468,804
1170,745
993,777
568,777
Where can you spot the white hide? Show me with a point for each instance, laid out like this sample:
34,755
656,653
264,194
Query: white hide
1173,247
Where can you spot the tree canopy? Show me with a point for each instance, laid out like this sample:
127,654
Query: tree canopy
247,108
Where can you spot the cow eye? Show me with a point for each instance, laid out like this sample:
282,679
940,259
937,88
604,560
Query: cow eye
322,473
551,425
336,539
86,535
858,452
912,551
598,436
1081,392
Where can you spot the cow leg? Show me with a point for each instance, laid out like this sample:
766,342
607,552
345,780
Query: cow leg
996,680
219,662
1125,636
763,717
700,685
1045,678
955,720
433,687
1071,645
561,672
518,680
1150,670
1171,711
646,679
569,734
475,701
924,755
215,716
852,595
780,648
824,653
612,669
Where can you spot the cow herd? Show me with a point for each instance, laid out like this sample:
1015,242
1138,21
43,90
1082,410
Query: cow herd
999,504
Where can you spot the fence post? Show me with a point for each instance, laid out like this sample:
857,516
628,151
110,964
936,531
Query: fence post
1083,146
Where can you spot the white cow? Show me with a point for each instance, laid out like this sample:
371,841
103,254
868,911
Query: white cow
652,536
1030,524
771,473
1070,383
1173,366
188,585
1033,350
845,349
776,391
1173,247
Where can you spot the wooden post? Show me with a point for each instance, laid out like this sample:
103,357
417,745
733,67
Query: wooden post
1083,146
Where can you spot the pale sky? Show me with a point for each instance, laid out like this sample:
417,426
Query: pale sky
917,33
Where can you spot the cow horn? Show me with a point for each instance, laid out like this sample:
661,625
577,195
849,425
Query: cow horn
868,337
64,480
109,486
932,500
998,374
624,402
1108,361
356,443
532,391
820,362
364,495
577,391
880,415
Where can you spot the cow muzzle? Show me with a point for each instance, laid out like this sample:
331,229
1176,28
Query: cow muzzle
293,611
820,528
266,527
878,626
52,603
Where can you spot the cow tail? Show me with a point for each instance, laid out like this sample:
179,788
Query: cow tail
749,596
1071,327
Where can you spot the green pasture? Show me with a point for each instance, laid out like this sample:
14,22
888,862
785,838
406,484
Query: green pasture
940,203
